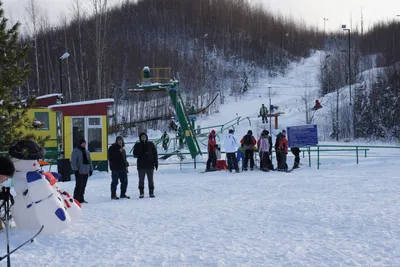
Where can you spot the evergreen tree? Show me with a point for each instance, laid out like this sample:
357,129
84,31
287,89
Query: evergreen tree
14,124
246,84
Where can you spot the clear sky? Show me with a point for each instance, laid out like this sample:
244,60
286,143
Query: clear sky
337,12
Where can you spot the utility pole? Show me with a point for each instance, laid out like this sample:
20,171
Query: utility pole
270,118
62,58
325,20
351,103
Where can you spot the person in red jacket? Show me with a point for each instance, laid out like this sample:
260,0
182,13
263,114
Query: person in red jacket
283,150
211,148
248,141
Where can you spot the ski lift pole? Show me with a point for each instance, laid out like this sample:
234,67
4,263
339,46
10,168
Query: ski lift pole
270,118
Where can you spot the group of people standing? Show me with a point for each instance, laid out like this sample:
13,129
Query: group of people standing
147,161
248,145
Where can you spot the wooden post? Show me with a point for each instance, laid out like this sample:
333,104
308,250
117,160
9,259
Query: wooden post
276,121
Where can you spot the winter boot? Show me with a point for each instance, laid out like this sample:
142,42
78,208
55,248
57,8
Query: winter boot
151,193
114,196
141,194
124,196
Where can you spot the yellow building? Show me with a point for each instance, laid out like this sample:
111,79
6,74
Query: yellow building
40,112
86,120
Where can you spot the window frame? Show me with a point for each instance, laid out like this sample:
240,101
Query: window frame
86,132
48,120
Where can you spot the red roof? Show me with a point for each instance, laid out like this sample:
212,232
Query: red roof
46,100
85,108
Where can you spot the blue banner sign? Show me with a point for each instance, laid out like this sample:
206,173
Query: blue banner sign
303,135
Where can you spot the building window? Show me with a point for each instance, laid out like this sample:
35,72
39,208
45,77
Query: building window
78,131
94,134
90,129
43,117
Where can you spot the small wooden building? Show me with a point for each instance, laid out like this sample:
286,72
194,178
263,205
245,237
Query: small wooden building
39,111
86,120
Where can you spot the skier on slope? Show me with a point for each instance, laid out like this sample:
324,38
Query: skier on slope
263,114
165,140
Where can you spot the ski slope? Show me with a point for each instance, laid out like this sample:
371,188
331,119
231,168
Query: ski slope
343,214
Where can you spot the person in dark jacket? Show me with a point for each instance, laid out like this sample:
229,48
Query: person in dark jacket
277,150
296,152
81,164
264,113
147,160
7,169
283,150
165,141
248,142
119,167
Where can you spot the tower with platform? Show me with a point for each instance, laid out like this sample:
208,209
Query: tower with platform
160,80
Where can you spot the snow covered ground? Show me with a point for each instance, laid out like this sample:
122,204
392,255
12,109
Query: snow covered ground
343,214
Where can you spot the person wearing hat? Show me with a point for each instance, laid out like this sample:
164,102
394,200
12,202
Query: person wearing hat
7,169
81,164
230,149
212,152
248,142
119,167
265,144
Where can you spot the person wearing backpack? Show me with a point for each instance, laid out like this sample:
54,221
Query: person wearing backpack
248,142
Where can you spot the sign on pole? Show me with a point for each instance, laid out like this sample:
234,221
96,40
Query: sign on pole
303,135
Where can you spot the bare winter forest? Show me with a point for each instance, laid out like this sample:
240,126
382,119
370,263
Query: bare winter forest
213,47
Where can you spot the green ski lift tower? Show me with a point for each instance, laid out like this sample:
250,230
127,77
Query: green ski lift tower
159,80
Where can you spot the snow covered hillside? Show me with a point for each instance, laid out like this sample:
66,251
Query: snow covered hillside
343,214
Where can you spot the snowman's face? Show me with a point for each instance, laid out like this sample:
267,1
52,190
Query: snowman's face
26,165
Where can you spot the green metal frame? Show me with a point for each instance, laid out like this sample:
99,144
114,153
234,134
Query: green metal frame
187,130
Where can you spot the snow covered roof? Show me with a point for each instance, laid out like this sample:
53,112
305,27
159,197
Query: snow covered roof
48,96
90,102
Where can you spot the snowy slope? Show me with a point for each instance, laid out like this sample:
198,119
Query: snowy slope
341,215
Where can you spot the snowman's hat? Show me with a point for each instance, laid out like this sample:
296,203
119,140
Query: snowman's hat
26,150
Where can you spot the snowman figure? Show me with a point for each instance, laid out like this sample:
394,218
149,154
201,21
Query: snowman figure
37,201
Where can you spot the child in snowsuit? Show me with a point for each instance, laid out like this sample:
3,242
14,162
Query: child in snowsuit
240,155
